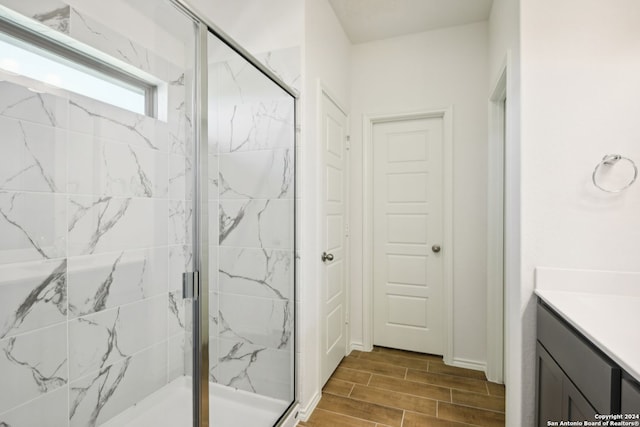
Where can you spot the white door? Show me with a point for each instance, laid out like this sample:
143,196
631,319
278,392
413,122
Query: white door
408,232
333,293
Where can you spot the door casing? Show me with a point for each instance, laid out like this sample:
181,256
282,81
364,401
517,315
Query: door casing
446,114
496,230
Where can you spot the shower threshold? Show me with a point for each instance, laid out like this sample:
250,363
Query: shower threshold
171,407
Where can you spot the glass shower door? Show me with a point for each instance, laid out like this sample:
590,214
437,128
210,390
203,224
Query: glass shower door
96,214
251,143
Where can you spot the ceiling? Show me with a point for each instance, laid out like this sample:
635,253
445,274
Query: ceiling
368,20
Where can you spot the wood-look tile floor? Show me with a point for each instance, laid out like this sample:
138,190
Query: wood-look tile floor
397,388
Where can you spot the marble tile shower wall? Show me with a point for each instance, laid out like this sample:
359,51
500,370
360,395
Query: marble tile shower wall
251,300
94,218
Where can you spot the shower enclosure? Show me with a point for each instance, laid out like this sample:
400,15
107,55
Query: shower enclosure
147,217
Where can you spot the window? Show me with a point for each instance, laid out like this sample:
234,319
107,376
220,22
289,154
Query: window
22,52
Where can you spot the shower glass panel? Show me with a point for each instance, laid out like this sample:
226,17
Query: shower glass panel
95,219
105,204
251,127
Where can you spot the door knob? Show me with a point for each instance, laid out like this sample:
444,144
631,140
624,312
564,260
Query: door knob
435,248
327,257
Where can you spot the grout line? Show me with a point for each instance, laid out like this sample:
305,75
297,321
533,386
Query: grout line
402,420
465,405
348,416
57,324
351,391
40,396
406,372
487,386
388,405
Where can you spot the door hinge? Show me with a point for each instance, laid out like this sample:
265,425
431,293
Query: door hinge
190,285
348,142
347,230
346,318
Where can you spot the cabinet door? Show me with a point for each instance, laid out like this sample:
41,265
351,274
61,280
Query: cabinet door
630,397
549,387
575,407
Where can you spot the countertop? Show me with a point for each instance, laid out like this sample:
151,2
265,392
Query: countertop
603,306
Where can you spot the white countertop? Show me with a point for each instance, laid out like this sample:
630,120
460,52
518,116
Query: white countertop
603,306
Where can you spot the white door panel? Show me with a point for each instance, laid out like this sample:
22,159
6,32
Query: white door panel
333,325
407,222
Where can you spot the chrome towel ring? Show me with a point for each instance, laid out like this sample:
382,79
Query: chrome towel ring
610,160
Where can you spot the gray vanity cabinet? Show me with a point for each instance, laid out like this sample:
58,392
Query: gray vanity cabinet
575,380
630,396
574,404
549,387
558,398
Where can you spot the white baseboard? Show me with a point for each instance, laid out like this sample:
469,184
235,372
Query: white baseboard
356,346
305,413
469,364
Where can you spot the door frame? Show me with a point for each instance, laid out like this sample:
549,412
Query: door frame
496,225
368,121
323,90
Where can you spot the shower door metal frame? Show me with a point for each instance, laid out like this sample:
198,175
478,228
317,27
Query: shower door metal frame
200,320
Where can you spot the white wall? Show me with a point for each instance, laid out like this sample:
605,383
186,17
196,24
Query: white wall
326,57
420,72
257,25
580,91
504,50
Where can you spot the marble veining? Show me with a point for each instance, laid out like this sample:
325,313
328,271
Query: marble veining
144,181
50,409
25,106
256,223
109,336
14,222
115,169
50,291
105,393
26,151
259,321
180,120
242,356
111,349
177,319
58,19
223,328
256,271
266,174
99,300
106,383
34,364
44,381
133,128
37,163
108,212
180,219
89,31
229,222
259,125
284,63
99,282
27,236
